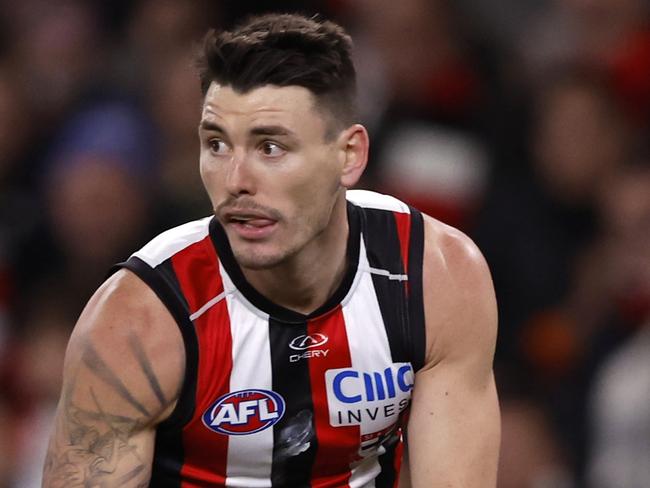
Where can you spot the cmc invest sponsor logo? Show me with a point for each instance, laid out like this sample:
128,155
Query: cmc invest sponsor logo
370,397
307,341
244,412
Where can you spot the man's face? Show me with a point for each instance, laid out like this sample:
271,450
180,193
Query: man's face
270,171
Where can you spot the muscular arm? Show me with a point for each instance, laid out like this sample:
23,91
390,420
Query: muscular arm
122,374
454,427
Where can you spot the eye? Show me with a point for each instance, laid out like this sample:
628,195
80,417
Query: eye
271,149
218,147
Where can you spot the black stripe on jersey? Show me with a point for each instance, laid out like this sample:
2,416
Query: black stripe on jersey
383,251
388,475
162,280
416,330
168,449
294,437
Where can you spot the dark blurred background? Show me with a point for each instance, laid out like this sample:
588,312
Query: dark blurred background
523,122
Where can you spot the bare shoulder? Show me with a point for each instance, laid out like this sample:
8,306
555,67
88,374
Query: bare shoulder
460,307
123,371
454,421
125,323
452,253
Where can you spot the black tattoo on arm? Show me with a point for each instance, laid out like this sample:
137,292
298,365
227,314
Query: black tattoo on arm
122,480
145,364
93,447
97,365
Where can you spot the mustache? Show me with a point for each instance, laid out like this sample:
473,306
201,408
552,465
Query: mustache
245,204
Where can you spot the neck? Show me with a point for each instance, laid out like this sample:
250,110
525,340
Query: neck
305,282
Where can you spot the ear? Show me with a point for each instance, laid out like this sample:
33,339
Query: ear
353,144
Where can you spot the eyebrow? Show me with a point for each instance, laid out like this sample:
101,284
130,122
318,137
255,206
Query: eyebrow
272,130
263,130
207,125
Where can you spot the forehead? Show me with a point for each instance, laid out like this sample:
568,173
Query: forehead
290,106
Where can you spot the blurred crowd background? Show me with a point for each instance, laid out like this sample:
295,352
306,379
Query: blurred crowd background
523,122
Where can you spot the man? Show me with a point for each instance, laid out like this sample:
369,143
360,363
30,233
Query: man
279,342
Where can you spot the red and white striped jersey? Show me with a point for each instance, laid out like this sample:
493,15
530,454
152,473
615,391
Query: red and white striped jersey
276,398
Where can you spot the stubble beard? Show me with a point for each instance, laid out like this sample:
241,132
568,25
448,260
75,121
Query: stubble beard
257,259
305,231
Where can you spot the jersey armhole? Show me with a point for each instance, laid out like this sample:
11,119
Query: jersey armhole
170,296
417,326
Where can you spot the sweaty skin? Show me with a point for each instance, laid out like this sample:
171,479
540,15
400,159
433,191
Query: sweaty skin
277,183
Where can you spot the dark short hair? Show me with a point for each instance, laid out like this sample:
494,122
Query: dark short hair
285,50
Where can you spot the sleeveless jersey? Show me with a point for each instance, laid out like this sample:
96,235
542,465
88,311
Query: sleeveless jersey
276,398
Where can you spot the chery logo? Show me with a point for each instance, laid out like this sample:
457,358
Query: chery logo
304,342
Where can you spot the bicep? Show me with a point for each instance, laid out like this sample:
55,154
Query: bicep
454,424
453,431
115,390
92,447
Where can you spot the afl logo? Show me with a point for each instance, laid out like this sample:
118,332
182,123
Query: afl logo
304,342
244,412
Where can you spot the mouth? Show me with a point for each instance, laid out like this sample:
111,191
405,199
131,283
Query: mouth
250,225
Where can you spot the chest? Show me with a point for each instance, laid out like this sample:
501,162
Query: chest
323,395
340,365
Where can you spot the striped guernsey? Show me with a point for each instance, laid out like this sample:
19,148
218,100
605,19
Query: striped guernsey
275,398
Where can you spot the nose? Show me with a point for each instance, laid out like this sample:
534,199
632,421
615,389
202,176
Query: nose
239,175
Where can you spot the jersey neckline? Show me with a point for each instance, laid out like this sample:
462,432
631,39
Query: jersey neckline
224,251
